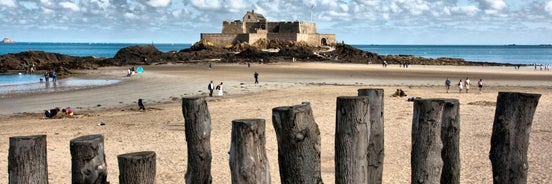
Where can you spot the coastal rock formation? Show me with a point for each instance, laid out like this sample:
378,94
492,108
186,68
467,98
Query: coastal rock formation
45,61
204,51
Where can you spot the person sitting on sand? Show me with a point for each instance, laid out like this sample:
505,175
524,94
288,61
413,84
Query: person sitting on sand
399,93
52,113
67,112
402,93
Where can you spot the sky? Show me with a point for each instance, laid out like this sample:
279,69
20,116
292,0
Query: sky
435,22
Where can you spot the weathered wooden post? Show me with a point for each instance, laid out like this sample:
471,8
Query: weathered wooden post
352,137
450,136
248,161
298,144
197,124
510,138
376,145
137,167
27,161
88,160
426,162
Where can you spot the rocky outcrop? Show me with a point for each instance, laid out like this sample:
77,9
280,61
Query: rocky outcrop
206,52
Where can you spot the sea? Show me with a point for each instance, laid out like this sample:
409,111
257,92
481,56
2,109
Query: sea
514,54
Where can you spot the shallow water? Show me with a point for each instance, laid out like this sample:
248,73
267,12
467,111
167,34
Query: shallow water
14,79
50,86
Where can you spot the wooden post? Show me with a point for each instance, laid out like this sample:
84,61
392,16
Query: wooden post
450,136
426,163
298,144
352,137
88,160
137,167
248,161
510,138
27,161
376,145
197,124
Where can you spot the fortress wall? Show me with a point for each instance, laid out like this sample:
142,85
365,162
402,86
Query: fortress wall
282,36
273,27
307,27
232,27
289,27
222,40
251,27
330,38
254,37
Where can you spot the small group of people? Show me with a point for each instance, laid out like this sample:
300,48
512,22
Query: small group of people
464,85
211,87
220,87
57,113
399,93
50,74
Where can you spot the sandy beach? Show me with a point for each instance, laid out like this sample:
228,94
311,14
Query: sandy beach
161,127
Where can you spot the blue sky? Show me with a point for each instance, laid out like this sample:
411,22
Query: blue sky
353,21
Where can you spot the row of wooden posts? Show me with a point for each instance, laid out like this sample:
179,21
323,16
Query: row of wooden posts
359,145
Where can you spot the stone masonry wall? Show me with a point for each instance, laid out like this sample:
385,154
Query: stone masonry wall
232,27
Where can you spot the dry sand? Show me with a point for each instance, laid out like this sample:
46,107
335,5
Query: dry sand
161,127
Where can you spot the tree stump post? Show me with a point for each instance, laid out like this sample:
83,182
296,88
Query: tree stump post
88,160
376,145
248,161
426,161
510,138
450,136
298,144
352,138
137,167
27,160
197,123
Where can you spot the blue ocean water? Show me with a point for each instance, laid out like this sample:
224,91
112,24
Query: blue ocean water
514,54
82,49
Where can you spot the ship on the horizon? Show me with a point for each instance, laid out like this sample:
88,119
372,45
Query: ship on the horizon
8,40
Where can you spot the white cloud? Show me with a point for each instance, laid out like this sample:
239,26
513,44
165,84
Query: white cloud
548,7
206,4
130,16
466,10
159,3
493,7
69,5
8,3
235,6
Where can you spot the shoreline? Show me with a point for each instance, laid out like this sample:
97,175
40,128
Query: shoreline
159,84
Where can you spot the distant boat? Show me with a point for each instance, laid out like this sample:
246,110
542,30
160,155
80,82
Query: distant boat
7,40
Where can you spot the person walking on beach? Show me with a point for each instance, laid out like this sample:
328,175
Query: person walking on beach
467,84
210,66
54,75
447,84
480,84
47,76
460,86
211,87
220,89
256,75
141,105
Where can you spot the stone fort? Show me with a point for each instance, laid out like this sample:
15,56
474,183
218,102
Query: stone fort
255,26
